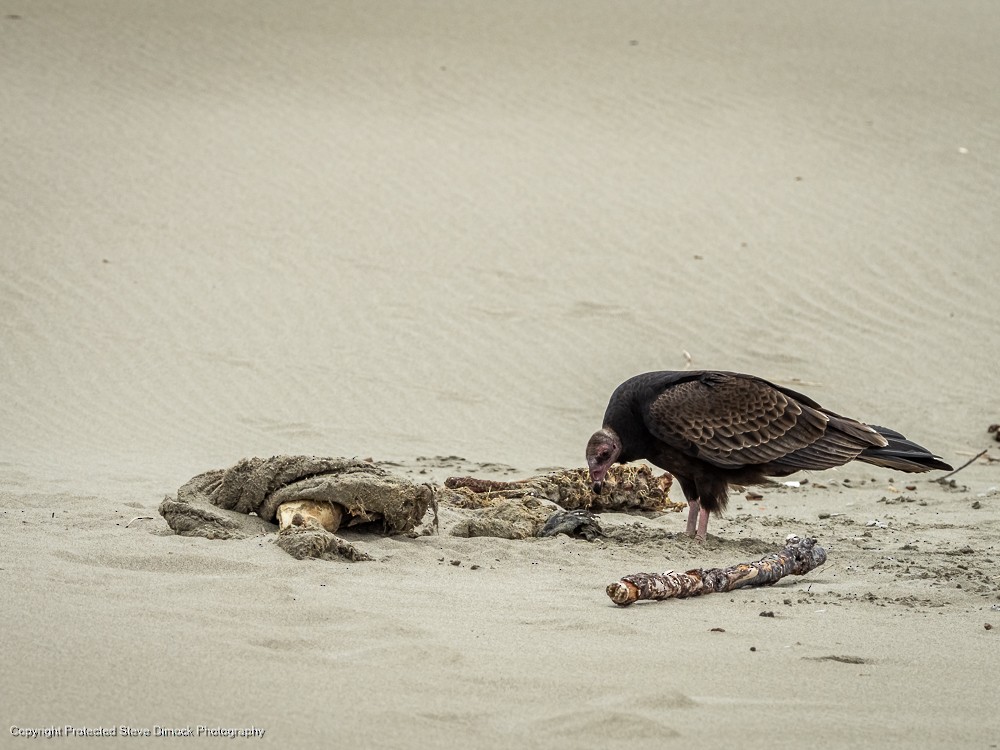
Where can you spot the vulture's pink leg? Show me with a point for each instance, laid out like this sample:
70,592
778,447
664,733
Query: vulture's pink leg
694,508
702,534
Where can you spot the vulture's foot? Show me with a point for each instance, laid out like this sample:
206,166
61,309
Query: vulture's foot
697,521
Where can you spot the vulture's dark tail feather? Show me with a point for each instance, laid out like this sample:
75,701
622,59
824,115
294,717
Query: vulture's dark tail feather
901,454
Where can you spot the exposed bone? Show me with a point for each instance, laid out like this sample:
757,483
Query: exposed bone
310,513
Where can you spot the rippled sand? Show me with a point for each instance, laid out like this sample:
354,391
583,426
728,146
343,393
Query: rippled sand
449,230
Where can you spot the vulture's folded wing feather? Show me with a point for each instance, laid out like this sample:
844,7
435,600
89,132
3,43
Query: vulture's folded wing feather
731,420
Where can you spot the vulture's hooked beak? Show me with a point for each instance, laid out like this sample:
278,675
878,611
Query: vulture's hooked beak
597,475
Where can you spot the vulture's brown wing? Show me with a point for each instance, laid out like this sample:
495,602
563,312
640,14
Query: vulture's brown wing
732,420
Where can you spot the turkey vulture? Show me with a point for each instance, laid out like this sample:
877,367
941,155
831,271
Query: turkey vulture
712,429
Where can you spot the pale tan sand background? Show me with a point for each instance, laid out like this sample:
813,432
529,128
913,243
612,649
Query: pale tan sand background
447,229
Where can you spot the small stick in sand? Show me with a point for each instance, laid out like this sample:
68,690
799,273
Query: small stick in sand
139,518
800,381
941,480
797,558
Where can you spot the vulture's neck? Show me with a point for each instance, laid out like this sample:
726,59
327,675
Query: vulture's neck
624,417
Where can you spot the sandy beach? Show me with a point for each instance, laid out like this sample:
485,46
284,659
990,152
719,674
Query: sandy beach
439,235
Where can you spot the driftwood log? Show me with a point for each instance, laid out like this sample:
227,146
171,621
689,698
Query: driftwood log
797,558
